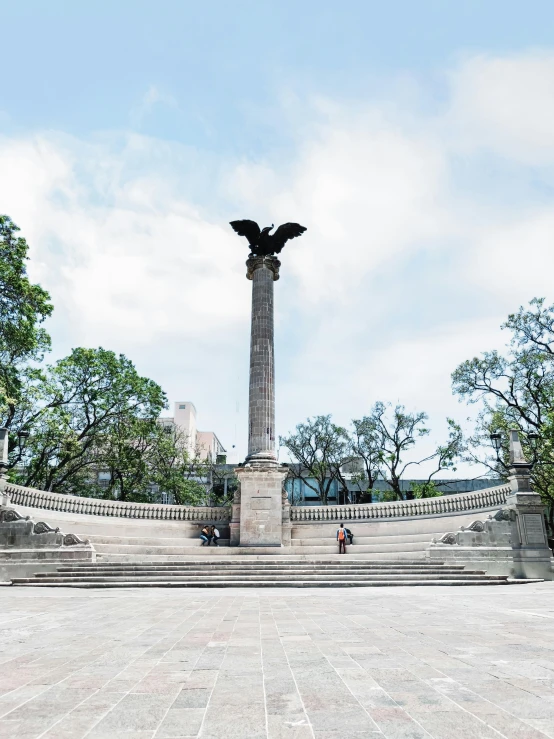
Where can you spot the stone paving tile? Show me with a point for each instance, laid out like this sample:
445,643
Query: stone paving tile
408,663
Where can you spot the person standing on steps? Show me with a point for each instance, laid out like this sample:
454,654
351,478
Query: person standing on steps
341,538
205,535
215,535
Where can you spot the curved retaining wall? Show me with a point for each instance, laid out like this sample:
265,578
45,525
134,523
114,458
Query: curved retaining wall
403,528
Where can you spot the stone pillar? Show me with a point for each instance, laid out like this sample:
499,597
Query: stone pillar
532,555
263,271
261,479
4,497
234,525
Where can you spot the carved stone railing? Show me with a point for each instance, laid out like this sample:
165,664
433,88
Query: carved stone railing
32,498
475,501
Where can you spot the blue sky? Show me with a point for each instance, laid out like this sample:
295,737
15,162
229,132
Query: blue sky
415,140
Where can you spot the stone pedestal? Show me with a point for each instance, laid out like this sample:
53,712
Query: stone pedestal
261,508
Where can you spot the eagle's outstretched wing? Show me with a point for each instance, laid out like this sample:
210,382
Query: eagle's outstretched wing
247,228
284,233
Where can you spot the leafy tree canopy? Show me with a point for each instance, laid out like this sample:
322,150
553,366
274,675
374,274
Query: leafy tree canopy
81,412
23,308
321,448
515,389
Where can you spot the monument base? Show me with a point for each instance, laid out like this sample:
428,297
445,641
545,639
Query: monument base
261,507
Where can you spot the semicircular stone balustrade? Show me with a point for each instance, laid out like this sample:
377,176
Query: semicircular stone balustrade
33,498
464,502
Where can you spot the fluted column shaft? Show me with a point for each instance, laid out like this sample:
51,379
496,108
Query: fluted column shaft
263,271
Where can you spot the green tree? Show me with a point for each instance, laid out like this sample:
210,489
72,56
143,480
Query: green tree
177,469
321,448
515,389
385,437
23,308
77,412
427,489
366,447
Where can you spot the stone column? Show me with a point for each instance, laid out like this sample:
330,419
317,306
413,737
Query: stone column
263,271
261,479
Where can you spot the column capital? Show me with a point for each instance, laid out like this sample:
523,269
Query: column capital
255,262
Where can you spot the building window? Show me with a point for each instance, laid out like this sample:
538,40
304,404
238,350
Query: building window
182,407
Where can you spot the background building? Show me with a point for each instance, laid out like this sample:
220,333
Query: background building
184,420
300,488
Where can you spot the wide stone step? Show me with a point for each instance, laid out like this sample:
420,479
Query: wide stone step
265,561
232,570
269,577
274,563
268,555
151,541
318,541
195,546
29,582
263,573
187,545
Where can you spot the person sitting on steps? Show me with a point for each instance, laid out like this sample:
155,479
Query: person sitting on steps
341,538
205,535
350,535
215,535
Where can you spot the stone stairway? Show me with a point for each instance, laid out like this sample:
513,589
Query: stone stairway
133,549
245,572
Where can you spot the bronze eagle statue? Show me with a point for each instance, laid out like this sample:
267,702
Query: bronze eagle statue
262,243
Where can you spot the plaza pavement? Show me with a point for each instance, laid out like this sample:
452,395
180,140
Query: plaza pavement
378,662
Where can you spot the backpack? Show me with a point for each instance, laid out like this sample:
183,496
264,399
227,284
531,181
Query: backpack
342,535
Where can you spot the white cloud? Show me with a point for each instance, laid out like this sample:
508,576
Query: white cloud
506,105
131,262
404,270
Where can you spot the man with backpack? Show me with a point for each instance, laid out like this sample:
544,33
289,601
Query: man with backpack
341,538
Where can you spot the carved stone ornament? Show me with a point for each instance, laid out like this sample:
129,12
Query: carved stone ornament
449,538
236,496
478,526
504,514
253,263
43,528
70,540
9,515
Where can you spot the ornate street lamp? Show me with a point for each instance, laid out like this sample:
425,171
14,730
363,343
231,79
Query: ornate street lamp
496,440
518,460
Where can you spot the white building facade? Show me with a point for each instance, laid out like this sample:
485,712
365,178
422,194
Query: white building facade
205,443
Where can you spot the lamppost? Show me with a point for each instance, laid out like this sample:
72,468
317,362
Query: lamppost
516,455
3,465
22,436
519,467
